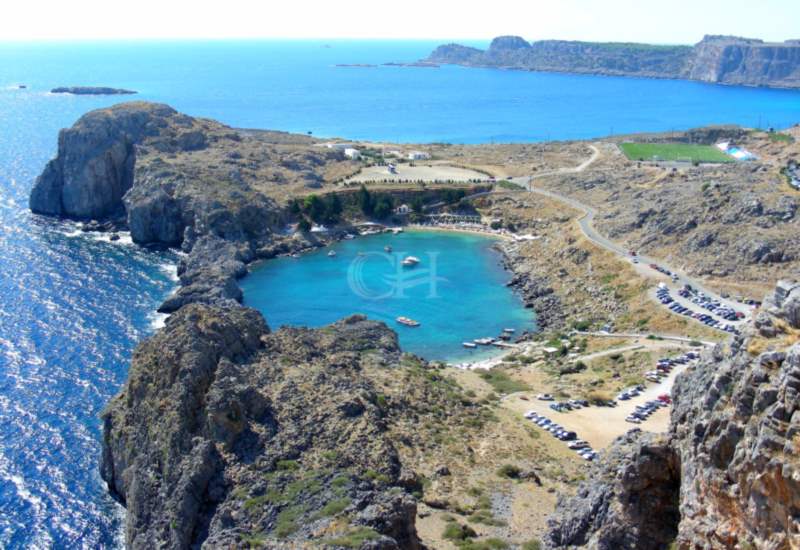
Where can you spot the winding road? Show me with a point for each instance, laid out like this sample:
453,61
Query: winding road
586,223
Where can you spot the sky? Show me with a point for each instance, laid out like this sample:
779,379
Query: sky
663,22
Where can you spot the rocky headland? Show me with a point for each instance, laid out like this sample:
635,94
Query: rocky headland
718,59
91,90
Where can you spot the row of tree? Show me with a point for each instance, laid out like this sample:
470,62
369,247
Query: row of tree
328,208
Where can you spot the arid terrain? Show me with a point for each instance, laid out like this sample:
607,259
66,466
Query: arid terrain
334,437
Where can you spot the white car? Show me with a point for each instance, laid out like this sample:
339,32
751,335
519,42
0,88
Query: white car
545,397
531,415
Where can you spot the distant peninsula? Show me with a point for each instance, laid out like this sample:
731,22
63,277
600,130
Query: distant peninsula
716,59
91,90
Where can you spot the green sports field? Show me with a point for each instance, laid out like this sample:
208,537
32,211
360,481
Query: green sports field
674,152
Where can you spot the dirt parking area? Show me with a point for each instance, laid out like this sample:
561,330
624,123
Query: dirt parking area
426,172
599,426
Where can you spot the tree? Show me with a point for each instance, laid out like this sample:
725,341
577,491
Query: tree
304,225
333,208
314,207
417,206
294,206
365,201
383,207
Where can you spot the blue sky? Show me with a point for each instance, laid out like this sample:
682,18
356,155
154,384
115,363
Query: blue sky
664,21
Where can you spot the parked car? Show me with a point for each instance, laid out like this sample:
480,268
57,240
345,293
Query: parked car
544,397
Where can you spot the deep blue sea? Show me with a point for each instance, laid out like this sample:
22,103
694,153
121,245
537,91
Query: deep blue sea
74,305
457,292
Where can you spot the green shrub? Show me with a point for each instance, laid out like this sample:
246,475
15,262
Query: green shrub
502,383
355,538
533,544
509,470
335,507
456,532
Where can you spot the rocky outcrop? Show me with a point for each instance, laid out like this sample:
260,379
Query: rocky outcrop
729,462
718,59
91,90
733,60
94,166
178,181
631,500
227,435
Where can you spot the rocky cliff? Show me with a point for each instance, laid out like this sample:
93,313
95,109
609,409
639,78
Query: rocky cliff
218,193
727,475
718,59
228,435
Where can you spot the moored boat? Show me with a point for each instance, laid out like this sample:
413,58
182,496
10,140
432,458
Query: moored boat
410,261
470,345
332,253
407,322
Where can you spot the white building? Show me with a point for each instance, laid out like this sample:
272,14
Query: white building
418,155
402,209
351,153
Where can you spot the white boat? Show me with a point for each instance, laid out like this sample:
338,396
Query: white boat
387,248
332,253
349,237
470,345
410,261
407,322
510,330
483,341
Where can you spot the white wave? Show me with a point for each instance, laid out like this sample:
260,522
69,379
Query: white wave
170,270
157,320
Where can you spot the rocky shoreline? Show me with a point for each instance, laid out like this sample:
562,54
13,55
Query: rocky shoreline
229,434
718,59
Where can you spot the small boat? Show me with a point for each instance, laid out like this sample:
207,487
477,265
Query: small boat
295,255
332,253
483,341
470,345
410,261
387,248
349,237
407,322
509,330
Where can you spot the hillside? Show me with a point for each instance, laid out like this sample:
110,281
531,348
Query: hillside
717,59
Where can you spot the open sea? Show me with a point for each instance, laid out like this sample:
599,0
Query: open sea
74,305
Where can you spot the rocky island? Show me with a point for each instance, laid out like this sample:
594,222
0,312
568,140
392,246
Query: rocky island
230,434
91,90
717,59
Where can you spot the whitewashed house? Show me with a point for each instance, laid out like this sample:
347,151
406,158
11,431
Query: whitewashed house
418,155
402,210
352,153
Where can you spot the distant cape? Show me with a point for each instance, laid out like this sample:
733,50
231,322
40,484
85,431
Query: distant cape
717,59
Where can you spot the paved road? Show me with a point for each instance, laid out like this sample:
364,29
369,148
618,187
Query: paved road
586,223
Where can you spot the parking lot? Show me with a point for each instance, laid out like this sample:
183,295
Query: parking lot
701,306
598,426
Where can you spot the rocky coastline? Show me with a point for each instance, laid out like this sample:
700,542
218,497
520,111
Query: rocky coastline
229,434
716,59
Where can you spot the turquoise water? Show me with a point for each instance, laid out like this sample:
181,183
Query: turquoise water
74,306
456,292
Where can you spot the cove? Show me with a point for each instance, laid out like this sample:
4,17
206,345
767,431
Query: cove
457,292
